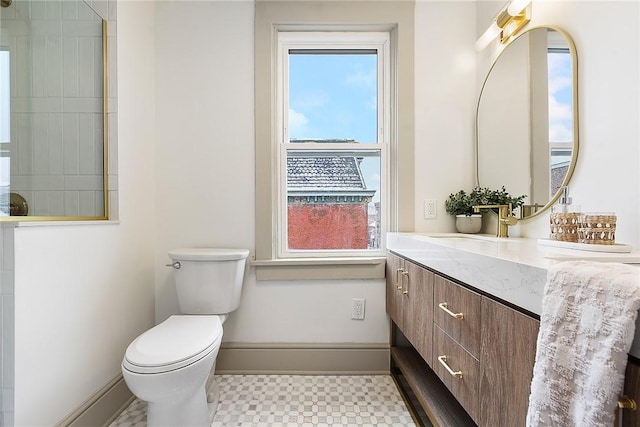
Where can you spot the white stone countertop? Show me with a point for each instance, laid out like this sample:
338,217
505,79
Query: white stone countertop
511,269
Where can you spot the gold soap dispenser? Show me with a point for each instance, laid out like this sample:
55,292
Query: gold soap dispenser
564,219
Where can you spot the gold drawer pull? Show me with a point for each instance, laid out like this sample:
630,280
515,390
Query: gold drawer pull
443,362
443,305
404,286
625,402
398,284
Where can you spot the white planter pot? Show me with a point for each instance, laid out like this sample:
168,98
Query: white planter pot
469,224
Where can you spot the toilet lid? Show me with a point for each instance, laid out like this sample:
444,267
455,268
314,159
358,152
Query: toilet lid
177,342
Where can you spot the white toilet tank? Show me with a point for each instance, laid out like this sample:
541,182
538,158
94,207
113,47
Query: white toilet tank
208,280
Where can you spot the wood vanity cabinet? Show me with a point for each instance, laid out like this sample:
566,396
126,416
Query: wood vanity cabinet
508,353
409,302
488,348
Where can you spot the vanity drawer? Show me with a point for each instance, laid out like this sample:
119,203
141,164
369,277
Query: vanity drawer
457,311
458,370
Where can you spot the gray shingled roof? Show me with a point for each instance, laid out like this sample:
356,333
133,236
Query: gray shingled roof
324,173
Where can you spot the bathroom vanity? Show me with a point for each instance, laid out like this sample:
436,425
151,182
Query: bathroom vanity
465,312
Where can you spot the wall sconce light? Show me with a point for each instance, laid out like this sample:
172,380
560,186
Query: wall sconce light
507,23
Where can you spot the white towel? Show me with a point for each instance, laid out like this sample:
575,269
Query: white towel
586,329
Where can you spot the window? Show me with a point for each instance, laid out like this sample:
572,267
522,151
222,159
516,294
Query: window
560,114
333,133
390,149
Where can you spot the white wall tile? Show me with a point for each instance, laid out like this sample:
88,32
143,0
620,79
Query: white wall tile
54,65
70,65
40,143
83,182
87,203
56,203
86,146
86,68
55,144
37,105
71,203
70,142
38,10
83,105
23,154
69,10
39,67
22,71
54,10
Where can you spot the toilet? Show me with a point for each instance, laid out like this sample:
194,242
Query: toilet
171,365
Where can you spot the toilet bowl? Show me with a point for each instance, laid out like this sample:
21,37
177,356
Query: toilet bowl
168,367
171,366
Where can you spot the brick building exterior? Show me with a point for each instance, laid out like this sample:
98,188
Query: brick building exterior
327,202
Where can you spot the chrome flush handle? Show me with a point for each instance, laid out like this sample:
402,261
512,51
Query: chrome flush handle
175,265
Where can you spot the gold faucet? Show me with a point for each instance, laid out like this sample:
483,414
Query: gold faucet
505,217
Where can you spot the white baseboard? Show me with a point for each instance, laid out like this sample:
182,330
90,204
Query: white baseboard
293,358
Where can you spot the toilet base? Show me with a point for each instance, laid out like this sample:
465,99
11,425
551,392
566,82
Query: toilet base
194,412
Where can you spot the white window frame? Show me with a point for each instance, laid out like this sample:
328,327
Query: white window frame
331,41
272,17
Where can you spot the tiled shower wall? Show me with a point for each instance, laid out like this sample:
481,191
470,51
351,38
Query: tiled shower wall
56,147
7,326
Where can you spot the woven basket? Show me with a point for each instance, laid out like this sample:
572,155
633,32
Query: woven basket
564,226
597,229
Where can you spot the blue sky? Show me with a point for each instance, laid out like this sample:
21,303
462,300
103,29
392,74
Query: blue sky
560,97
332,96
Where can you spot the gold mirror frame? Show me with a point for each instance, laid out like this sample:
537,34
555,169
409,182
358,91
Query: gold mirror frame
22,207
575,147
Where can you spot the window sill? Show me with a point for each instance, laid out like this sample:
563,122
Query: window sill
320,268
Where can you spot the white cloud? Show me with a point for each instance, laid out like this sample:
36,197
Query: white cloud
560,121
360,78
297,122
556,84
310,99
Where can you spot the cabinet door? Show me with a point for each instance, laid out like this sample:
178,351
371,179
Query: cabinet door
632,390
417,311
457,312
394,269
458,370
508,351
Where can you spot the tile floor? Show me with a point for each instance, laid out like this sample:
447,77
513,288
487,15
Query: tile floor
299,400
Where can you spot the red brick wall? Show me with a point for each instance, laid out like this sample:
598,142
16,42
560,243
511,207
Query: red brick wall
328,226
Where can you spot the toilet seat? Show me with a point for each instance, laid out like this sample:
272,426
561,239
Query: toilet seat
173,344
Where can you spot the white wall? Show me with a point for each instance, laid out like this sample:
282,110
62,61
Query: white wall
206,148
83,292
607,175
445,106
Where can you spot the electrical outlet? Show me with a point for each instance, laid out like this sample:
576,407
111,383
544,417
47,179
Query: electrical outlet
357,311
430,209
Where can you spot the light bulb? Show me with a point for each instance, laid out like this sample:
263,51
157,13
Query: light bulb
517,6
491,33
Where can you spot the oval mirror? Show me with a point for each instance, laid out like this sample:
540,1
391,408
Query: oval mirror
527,119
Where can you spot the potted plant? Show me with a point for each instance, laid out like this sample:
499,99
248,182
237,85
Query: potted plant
461,205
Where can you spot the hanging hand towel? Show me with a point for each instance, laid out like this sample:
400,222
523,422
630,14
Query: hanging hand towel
586,329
